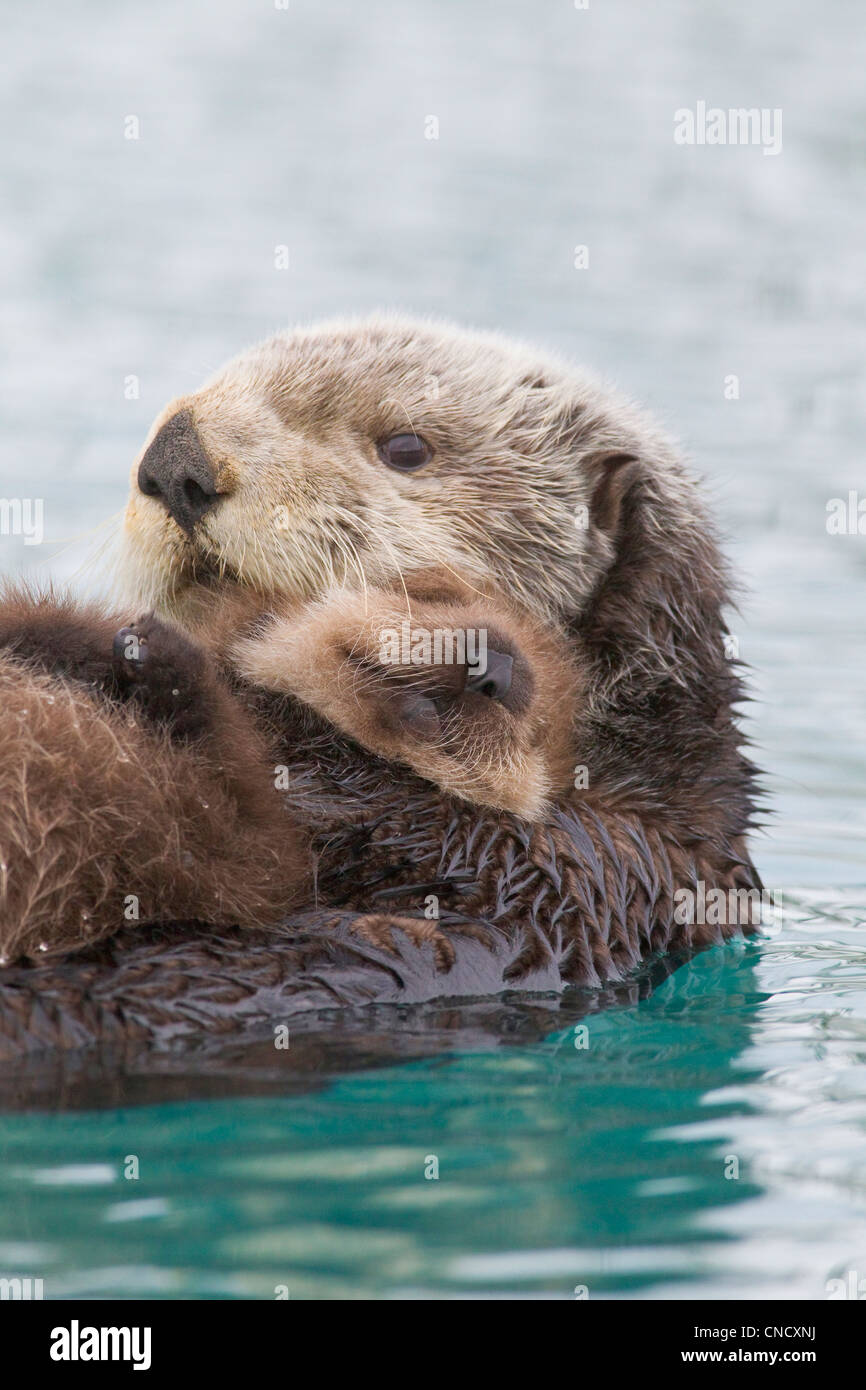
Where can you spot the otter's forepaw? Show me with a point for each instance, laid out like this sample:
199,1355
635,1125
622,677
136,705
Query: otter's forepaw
164,673
378,930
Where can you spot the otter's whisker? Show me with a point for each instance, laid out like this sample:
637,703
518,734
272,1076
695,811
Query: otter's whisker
429,552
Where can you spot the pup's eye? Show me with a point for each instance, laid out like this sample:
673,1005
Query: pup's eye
405,452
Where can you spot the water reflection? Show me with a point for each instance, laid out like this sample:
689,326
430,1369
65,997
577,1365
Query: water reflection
558,1165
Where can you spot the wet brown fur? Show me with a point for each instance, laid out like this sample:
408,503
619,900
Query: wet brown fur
544,491
114,811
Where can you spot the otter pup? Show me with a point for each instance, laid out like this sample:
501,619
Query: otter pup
340,477
167,805
133,784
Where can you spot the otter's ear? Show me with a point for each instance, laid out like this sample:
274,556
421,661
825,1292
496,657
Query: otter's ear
612,477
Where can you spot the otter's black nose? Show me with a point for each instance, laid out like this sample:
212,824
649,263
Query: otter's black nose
176,469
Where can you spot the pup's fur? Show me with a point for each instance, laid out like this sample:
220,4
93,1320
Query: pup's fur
515,752
130,790
139,786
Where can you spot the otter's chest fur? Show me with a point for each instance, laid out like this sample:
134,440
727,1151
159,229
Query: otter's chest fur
581,897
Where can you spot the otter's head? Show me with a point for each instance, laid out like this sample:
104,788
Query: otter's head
362,451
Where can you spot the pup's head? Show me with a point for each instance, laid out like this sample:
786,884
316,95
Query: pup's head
359,451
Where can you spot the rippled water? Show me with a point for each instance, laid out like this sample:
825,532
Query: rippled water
558,1166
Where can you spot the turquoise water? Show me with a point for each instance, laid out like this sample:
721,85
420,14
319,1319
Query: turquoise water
608,1166
708,1142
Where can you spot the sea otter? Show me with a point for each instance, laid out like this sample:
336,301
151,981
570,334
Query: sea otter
143,783
448,831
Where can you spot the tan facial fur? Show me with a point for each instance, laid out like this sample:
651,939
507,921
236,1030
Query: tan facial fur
532,476
265,526
291,430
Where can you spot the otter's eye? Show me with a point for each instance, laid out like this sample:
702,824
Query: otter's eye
405,452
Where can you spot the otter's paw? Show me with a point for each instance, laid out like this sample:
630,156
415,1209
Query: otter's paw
166,675
379,931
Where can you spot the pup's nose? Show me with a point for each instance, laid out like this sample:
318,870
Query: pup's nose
176,469
495,680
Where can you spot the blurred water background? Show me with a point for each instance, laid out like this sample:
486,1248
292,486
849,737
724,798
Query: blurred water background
154,259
